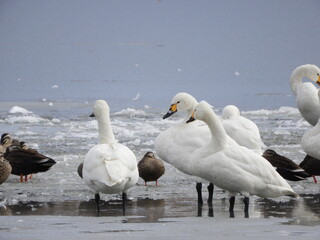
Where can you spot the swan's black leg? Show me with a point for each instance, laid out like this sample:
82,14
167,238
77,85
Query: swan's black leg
210,211
231,201
199,210
246,206
199,187
124,199
210,191
97,199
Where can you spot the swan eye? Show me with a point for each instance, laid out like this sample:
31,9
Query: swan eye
179,101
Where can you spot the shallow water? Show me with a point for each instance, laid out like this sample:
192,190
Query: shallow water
65,132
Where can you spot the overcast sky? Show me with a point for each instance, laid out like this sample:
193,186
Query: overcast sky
171,45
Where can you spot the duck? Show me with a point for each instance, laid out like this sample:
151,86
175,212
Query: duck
7,140
244,131
26,162
312,166
175,144
306,93
287,168
24,146
109,167
310,140
232,167
5,170
150,168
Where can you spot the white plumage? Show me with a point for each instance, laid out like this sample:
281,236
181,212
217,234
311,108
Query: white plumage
176,144
311,140
109,167
232,167
244,131
306,92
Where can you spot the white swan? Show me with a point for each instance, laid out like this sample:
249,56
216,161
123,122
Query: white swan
310,140
109,167
232,167
306,92
244,131
176,144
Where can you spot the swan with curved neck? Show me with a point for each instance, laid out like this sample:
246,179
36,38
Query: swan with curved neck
306,92
109,167
232,167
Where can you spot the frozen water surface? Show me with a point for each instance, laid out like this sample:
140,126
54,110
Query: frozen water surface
58,201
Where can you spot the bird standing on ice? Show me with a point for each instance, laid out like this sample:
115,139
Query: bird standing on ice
306,92
150,168
175,144
109,167
232,167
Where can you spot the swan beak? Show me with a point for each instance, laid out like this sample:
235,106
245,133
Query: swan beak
192,118
172,110
92,115
318,82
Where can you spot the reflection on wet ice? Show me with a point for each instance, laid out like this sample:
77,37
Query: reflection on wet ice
304,211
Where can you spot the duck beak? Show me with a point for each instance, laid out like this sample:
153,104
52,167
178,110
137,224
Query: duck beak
92,115
318,82
192,118
172,110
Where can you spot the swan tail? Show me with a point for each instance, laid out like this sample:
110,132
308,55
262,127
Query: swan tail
292,194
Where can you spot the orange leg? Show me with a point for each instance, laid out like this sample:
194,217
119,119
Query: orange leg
156,182
26,178
314,179
145,183
21,178
30,177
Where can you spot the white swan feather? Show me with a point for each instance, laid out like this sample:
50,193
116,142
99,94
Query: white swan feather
232,167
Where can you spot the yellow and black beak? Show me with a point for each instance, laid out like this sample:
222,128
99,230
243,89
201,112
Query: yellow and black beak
192,118
172,110
318,82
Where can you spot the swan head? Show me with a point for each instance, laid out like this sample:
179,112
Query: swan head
313,73
201,112
230,111
181,102
308,70
100,108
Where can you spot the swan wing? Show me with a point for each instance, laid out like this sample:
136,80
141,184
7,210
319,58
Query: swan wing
238,169
308,102
109,164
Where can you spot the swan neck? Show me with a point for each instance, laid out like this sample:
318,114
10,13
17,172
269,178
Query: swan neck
296,79
105,130
219,135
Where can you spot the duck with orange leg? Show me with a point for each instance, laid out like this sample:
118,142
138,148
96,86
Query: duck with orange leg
150,168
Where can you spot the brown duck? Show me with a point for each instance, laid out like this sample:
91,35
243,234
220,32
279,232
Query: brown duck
5,170
150,168
24,161
312,166
285,167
